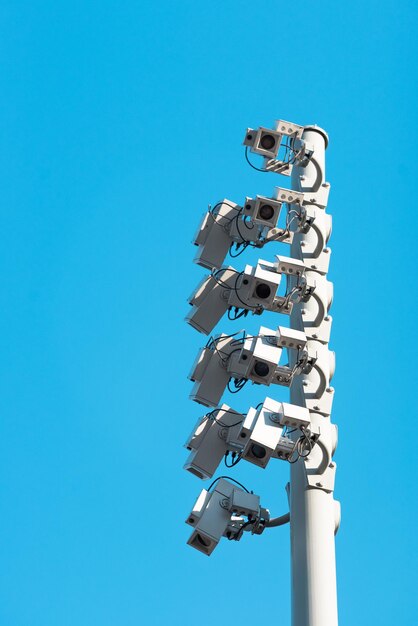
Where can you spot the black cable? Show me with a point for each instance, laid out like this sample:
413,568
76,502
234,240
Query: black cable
286,145
247,241
234,460
303,440
284,163
237,314
249,162
228,478
241,530
237,341
213,342
232,206
238,386
234,256
214,274
210,416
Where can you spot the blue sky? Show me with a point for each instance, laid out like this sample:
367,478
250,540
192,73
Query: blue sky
120,122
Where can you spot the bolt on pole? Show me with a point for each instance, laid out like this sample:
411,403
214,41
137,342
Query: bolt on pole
314,513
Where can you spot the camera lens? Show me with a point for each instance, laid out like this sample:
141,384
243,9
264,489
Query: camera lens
203,541
258,451
261,368
263,291
266,212
267,142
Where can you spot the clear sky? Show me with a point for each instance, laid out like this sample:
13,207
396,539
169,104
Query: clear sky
120,122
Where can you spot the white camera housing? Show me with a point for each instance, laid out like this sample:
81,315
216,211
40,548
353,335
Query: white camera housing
258,286
210,300
262,430
257,357
263,141
256,222
254,289
210,440
213,237
266,141
209,372
256,436
262,210
215,515
262,433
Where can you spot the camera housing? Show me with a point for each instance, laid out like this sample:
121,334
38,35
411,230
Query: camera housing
266,142
257,287
220,513
257,357
211,299
211,438
254,289
256,436
209,372
262,432
262,211
213,237
254,357
263,141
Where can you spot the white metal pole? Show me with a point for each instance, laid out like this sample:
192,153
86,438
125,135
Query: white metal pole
314,515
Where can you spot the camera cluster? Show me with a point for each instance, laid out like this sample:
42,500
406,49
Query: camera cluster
229,361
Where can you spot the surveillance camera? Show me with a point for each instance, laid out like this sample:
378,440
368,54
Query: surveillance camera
256,357
254,289
212,437
255,437
209,372
257,288
221,513
267,142
210,300
256,223
264,141
253,357
261,432
262,210
214,238
226,357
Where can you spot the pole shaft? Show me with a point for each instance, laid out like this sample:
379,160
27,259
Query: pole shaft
312,510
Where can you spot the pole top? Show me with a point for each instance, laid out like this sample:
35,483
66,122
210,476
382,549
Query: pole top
319,130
